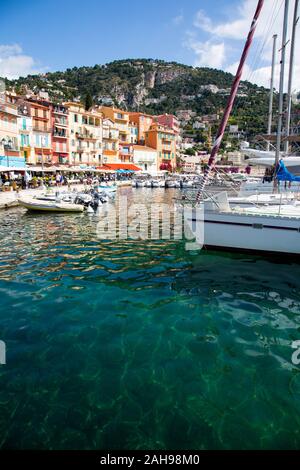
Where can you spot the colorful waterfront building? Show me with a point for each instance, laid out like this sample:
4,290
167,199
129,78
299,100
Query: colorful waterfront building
60,134
170,121
163,140
25,133
145,158
85,135
173,123
110,137
126,131
40,113
133,133
9,135
121,120
125,152
143,123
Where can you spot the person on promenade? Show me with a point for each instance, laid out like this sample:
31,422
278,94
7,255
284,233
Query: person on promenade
58,179
26,180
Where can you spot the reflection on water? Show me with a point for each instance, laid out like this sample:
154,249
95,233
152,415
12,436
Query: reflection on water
141,344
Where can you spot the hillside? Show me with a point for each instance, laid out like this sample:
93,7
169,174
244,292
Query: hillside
155,87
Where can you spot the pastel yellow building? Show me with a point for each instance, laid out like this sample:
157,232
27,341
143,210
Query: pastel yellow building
121,120
85,135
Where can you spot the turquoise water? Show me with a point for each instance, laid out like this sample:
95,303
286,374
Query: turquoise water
142,345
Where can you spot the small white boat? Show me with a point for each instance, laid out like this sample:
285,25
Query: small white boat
148,184
187,184
107,188
50,206
140,184
162,184
172,184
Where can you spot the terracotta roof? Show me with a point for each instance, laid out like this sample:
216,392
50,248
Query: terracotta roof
144,148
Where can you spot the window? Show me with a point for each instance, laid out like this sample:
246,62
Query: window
75,118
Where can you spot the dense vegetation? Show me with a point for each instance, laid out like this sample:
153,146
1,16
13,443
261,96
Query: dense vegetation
154,87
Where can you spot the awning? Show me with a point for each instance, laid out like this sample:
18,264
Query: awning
122,166
40,169
4,169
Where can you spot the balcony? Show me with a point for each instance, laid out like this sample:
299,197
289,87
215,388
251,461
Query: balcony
45,129
40,118
25,129
61,122
60,110
110,136
85,136
61,135
121,117
7,109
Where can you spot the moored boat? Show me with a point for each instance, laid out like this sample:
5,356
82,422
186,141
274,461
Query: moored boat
50,206
267,229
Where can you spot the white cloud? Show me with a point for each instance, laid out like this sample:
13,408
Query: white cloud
8,50
208,54
177,20
262,75
238,27
15,64
232,34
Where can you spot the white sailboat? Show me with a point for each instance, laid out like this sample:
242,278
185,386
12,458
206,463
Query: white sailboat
273,228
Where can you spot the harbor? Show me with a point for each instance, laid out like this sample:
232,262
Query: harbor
137,345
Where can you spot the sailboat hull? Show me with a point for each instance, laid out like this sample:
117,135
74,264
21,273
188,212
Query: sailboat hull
246,232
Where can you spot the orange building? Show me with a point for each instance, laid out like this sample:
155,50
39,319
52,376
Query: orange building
143,123
41,131
163,140
121,120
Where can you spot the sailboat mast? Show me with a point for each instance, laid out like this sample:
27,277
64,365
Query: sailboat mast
291,73
282,70
231,99
271,91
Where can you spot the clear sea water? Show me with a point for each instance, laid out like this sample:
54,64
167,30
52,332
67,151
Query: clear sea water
142,345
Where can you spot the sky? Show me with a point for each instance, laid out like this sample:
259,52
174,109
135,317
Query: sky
38,36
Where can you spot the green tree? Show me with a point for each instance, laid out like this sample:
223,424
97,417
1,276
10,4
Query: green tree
88,101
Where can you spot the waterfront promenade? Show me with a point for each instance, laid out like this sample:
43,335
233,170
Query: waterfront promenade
10,198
